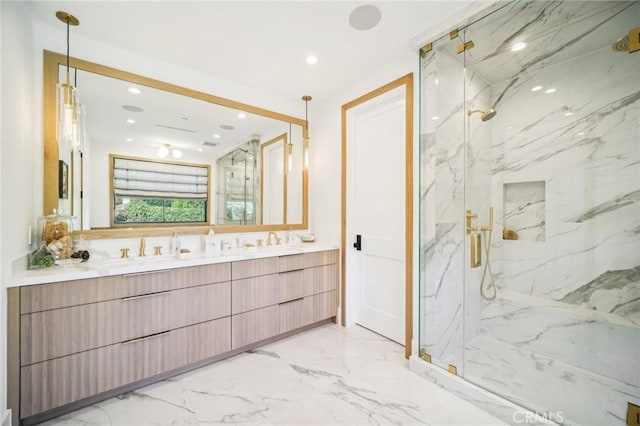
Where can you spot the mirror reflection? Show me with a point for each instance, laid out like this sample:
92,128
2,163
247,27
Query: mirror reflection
131,119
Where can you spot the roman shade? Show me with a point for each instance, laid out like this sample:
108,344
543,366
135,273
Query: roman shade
155,179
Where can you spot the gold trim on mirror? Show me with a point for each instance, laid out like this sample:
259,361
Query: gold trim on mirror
51,63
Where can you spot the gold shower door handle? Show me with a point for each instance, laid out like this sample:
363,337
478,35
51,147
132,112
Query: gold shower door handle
634,40
476,249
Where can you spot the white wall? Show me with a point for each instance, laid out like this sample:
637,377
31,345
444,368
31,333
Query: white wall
17,161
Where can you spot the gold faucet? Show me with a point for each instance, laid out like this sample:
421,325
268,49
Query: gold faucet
269,243
124,253
142,247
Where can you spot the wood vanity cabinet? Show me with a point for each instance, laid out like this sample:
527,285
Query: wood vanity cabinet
113,331
85,340
279,294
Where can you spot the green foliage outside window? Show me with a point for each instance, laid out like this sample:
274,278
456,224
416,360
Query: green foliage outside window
159,211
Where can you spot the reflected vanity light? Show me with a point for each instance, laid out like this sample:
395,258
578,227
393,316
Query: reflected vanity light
548,91
305,140
536,88
242,115
129,139
131,121
217,136
311,60
435,117
134,90
289,157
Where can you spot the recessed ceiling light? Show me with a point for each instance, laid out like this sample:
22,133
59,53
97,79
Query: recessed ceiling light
215,135
581,134
567,114
134,90
536,88
132,108
129,140
242,115
131,121
364,17
435,117
311,60
518,46
437,81
199,149
552,90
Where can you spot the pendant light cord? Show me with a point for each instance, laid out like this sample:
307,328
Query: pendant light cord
67,44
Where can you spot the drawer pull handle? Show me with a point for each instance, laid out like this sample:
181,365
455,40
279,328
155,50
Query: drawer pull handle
151,336
293,270
136,274
142,296
291,301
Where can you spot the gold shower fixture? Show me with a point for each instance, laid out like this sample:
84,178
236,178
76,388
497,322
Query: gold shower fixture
485,115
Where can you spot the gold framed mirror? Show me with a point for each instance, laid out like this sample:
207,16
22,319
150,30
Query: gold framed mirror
79,202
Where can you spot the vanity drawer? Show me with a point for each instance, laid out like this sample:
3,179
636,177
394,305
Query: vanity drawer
63,380
294,284
307,260
159,353
321,279
295,314
161,311
253,326
59,332
204,274
36,298
254,268
142,283
254,293
59,381
325,305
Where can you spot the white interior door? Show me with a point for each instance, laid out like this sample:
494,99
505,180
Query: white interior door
375,274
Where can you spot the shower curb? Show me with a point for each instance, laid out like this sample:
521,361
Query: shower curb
495,405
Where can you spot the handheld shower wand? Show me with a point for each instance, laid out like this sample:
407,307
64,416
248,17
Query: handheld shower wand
487,264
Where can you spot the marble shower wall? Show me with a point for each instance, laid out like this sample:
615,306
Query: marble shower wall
561,166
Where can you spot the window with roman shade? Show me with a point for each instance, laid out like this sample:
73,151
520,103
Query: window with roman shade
148,191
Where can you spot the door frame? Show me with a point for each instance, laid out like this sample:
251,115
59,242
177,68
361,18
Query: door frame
406,81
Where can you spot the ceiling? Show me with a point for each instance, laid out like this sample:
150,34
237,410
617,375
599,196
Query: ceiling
257,44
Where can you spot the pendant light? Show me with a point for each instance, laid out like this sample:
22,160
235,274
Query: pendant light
165,150
305,135
289,152
70,121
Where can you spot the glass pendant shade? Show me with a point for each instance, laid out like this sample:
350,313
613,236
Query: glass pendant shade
289,157
305,154
67,117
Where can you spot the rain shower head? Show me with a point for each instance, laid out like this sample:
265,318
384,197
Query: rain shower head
485,115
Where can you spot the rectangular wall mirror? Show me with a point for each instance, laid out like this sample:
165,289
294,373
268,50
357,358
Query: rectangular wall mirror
129,115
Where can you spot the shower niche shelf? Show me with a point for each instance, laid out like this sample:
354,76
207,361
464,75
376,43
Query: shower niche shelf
524,211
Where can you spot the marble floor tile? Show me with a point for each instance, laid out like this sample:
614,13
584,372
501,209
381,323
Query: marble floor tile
326,376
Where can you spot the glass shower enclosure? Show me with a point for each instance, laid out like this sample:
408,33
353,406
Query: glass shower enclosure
237,190
530,206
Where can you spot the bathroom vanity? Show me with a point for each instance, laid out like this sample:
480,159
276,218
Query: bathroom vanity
96,333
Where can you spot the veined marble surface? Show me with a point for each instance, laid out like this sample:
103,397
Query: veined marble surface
326,376
567,318
101,267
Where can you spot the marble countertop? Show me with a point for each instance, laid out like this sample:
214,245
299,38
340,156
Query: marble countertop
115,266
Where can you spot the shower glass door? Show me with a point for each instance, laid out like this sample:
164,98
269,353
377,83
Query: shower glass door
552,144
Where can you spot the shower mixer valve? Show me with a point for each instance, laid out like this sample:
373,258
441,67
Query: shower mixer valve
470,218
